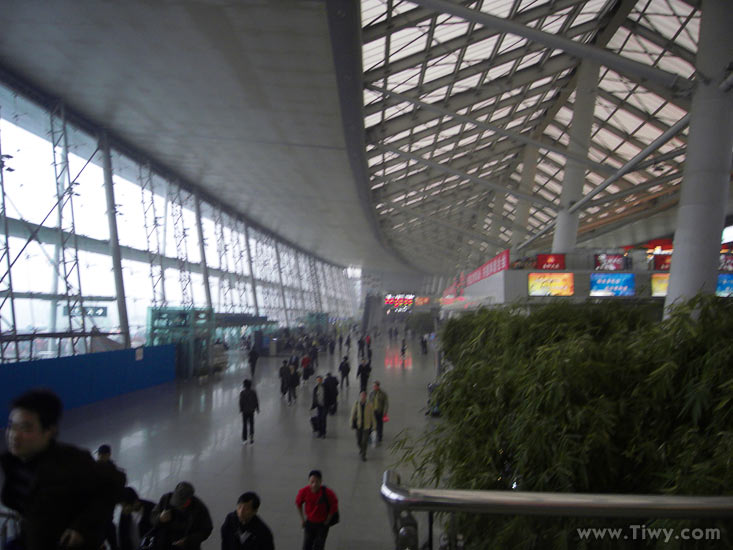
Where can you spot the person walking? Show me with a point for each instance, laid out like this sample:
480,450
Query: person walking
362,373
321,509
134,521
293,380
344,369
320,404
181,520
284,373
243,529
248,405
104,461
362,420
253,356
332,390
380,403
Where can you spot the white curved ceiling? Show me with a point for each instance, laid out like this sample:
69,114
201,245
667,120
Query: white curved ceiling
239,98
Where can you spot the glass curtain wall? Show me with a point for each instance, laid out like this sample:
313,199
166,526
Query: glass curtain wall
57,285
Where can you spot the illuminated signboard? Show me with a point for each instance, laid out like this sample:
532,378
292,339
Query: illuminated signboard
662,262
610,262
725,285
551,284
612,284
726,263
550,261
399,302
660,282
422,301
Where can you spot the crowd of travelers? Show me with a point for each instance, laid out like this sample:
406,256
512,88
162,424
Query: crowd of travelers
64,498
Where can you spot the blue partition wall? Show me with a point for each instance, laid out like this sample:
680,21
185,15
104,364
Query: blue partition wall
84,379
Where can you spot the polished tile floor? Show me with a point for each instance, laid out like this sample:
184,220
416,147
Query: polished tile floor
191,431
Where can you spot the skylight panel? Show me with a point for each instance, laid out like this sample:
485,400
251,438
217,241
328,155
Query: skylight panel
480,51
397,110
406,42
373,54
499,71
591,10
373,11
530,59
467,83
540,82
446,66
511,42
371,97
436,95
554,23
499,8
372,120
448,28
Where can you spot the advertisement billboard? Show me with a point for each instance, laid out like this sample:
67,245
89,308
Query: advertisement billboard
662,262
616,284
610,262
660,282
726,263
551,284
550,261
725,285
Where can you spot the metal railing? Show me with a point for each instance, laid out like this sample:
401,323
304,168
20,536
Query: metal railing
402,501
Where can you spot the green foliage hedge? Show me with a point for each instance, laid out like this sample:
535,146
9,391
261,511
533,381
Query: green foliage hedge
582,398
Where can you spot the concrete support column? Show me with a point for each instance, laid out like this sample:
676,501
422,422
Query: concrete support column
566,230
704,194
114,242
521,214
202,249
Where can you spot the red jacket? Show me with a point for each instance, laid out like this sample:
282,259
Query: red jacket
316,510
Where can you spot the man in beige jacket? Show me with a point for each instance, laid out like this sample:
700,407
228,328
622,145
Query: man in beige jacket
380,402
362,420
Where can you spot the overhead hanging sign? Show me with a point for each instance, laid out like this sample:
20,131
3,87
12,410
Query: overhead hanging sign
610,262
551,284
662,262
500,262
550,261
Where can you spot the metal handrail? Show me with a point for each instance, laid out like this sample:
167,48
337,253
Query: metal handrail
402,498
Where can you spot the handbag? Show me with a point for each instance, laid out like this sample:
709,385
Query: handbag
385,418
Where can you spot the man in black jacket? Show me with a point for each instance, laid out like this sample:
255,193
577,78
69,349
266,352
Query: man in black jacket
248,405
61,494
332,390
181,520
253,356
243,529
135,520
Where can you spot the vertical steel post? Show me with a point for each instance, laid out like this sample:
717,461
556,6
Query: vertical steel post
10,297
114,242
202,249
566,230
251,270
704,194
316,284
282,287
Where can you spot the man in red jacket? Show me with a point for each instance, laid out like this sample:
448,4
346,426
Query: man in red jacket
320,506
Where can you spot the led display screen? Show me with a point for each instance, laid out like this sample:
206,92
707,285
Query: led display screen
551,284
612,284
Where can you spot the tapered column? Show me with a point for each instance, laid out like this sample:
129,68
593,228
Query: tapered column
566,230
114,242
704,195
202,249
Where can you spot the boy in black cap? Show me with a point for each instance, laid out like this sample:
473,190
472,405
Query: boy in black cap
181,520
243,529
